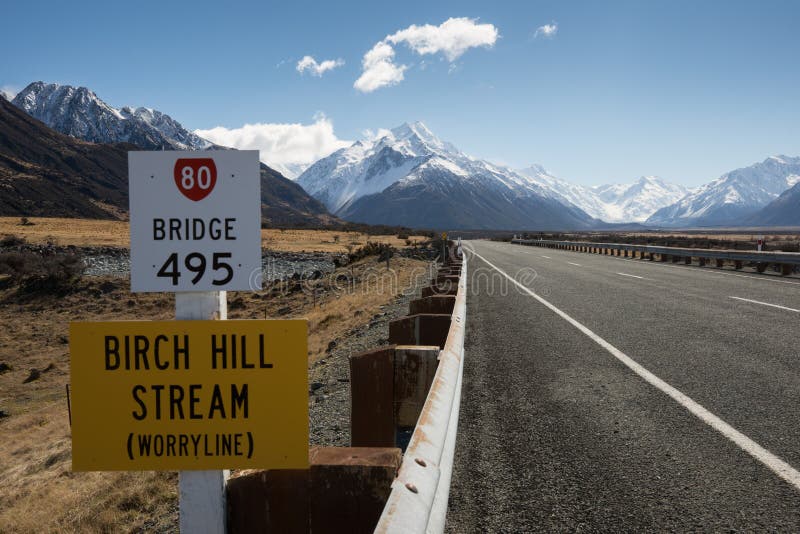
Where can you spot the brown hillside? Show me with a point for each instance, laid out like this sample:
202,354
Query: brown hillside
44,173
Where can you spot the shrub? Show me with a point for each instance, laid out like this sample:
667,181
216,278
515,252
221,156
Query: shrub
382,250
11,241
36,272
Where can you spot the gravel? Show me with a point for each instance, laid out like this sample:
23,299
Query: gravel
329,378
275,265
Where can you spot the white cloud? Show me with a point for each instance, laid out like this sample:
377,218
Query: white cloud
8,91
451,38
548,31
310,64
380,69
286,147
374,135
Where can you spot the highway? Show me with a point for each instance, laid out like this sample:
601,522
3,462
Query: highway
611,394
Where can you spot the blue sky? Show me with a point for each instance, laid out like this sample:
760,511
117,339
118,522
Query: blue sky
685,90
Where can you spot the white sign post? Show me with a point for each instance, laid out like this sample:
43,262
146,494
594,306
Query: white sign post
760,242
195,220
202,503
196,231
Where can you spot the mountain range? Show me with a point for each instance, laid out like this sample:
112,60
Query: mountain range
78,112
783,211
410,175
406,177
617,203
72,161
735,197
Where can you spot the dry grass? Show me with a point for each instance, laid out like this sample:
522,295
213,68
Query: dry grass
79,232
327,240
348,298
86,232
40,493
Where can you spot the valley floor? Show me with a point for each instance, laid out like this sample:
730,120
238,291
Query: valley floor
97,233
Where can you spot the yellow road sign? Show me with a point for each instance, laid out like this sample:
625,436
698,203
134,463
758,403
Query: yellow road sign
189,395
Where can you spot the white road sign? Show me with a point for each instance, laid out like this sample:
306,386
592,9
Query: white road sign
195,220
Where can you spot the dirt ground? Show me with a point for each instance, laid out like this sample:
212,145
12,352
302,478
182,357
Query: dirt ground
40,493
87,232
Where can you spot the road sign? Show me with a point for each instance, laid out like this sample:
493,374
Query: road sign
189,395
760,242
195,220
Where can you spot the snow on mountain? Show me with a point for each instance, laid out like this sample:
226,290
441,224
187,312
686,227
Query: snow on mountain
639,200
78,112
734,196
411,177
290,170
169,127
783,211
577,195
612,203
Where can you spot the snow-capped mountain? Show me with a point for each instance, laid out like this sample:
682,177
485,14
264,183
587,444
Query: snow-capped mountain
411,177
582,197
732,197
612,203
78,112
783,211
290,170
637,201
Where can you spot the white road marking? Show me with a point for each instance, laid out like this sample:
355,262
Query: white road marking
767,304
633,276
575,264
771,461
548,257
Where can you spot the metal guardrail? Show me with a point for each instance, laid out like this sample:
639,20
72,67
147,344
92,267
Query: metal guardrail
783,258
418,499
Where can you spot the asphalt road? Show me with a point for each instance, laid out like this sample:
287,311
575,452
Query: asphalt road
557,432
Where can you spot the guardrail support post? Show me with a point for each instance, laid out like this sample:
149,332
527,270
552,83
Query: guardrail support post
737,264
388,387
761,266
786,269
349,487
344,490
702,262
421,329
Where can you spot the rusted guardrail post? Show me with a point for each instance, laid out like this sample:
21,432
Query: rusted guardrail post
388,387
343,492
